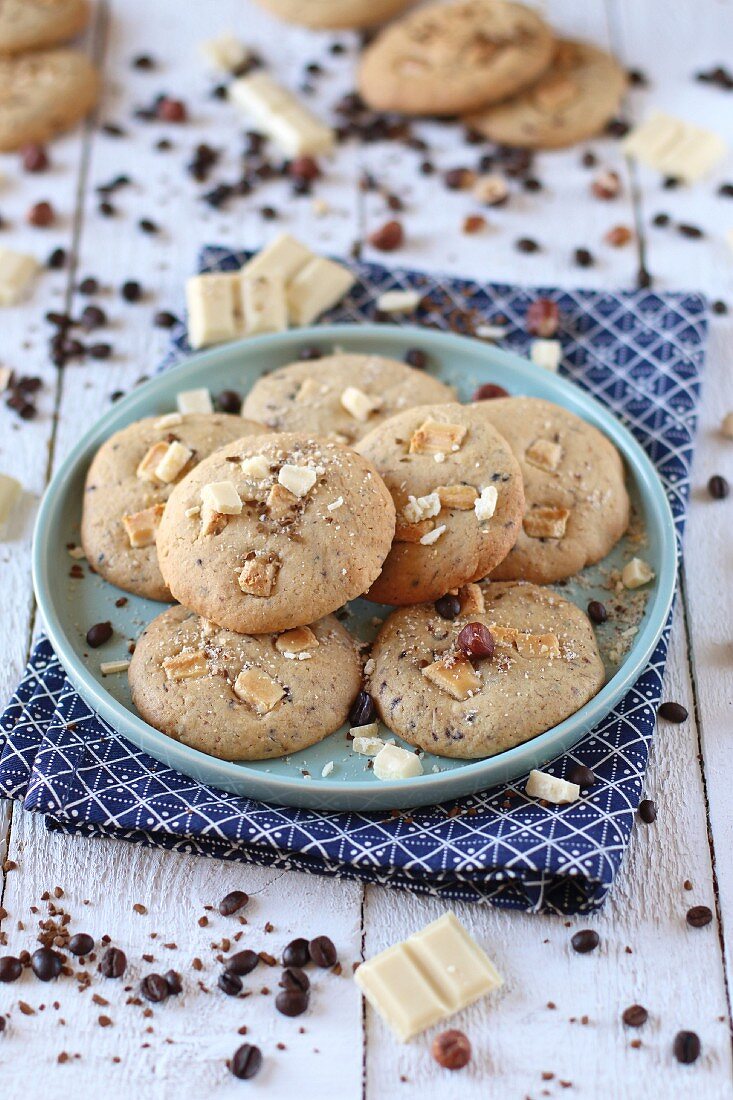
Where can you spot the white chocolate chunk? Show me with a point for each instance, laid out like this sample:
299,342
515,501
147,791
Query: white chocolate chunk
327,769
297,643
185,666
546,522
433,536
10,491
276,111
460,497
258,690
367,746
456,677
213,309
150,461
726,426
194,401
335,504
298,480
225,53
221,497
419,508
111,668
433,437
392,762
552,789
76,552
485,505
17,272
636,573
141,527
263,304
546,353
472,599
175,459
282,258
257,467
317,286
398,301
170,420
544,454
358,404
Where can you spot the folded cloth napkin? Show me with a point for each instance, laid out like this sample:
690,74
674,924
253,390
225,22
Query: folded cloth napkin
641,354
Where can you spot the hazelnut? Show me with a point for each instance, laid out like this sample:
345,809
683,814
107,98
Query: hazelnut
606,185
41,215
473,223
618,236
389,237
491,190
451,1049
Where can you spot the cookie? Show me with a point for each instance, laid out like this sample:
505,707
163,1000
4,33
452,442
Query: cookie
335,14
124,496
572,101
340,397
35,24
273,533
240,697
42,94
445,59
458,493
545,666
577,506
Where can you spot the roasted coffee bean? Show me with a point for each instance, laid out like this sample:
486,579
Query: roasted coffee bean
99,351
154,988
691,231
131,291
147,226
719,307
164,319
543,317
532,184
99,634
388,237
81,944
456,179
310,353
672,712
660,220
589,160
488,391
88,285
229,983
246,1062
417,358
647,811
698,916
10,968
322,951
2,1024
233,902
304,168
526,244
269,213
451,1049
34,157
243,962
41,215
580,774
106,209
726,190
718,487
296,953
686,1047
173,981
46,964
448,607
476,640
229,401
92,317
114,963
295,978
57,259
597,612
635,1016
362,710
584,941
143,62
292,1002
583,257
171,110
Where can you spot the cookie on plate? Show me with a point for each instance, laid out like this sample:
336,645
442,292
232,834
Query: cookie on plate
445,59
34,24
240,697
572,101
131,477
335,14
42,94
273,533
340,397
437,684
457,489
577,507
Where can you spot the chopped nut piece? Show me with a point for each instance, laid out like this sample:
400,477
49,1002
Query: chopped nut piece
141,527
552,789
221,497
528,645
149,463
185,666
173,462
212,522
258,690
412,532
433,536
485,505
295,642
544,454
258,576
472,599
456,677
358,404
298,480
460,497
546,522
433,437
257,467
281,503
421,508
636,573
491,190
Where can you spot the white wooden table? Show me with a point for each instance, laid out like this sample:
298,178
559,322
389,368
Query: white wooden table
522,1047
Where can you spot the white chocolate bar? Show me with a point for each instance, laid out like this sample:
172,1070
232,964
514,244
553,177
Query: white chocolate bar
316,287
283,257
213,309
17,272
263,303
276,111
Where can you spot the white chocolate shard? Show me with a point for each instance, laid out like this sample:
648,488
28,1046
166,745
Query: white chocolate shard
221,497
393,762
169,420
546,353
283,117
298,480
674,147
256,467
194,401
263,304
432,536
398,301
258,690
636,573
17,272
282,258
419,508
317,287
213,309
359,404
173,462
485,505
150,460
550,788
112,668
10,491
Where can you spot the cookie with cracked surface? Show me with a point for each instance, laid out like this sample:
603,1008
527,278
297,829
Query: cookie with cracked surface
572,101
545,666
457,489
131,476
36,24
340,397
577,507
241,697
445,59
335,14
273,533
42,94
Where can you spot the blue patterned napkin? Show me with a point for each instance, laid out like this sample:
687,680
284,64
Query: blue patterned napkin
641,354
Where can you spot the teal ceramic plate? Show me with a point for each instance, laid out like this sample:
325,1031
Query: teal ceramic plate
70,606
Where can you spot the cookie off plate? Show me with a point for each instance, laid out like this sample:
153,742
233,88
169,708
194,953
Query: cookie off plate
71,605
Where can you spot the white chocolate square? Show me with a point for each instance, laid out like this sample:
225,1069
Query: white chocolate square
283,257
10,491
546,353
258,690
175,459
213,308
256,467
298,480
221,497
224,53
636,573
358,404
283,117
264,307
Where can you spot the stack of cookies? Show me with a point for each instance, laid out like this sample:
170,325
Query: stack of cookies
351,476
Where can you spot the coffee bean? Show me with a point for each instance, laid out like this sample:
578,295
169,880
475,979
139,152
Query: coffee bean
229,401
2,1024
147,226
660,220
99,351
718,487
295,978
164,319
246,1062
581,774
310,353
526,244
41,215
322,951
635,1016
448,607
99,634
58,258
229,983
672,712
417,358
92,317
34,157
292,1002
643,279
686,1047
88,285
131,291
583,257
244,962
154,988
488,392
690,231
114,963
597,612
106,209
584,941
362,710
589,160
296,953
46,964
81,944
719,307
173,981
698,916
476,640
10,968
233,902
143,62
647,811
451,1049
